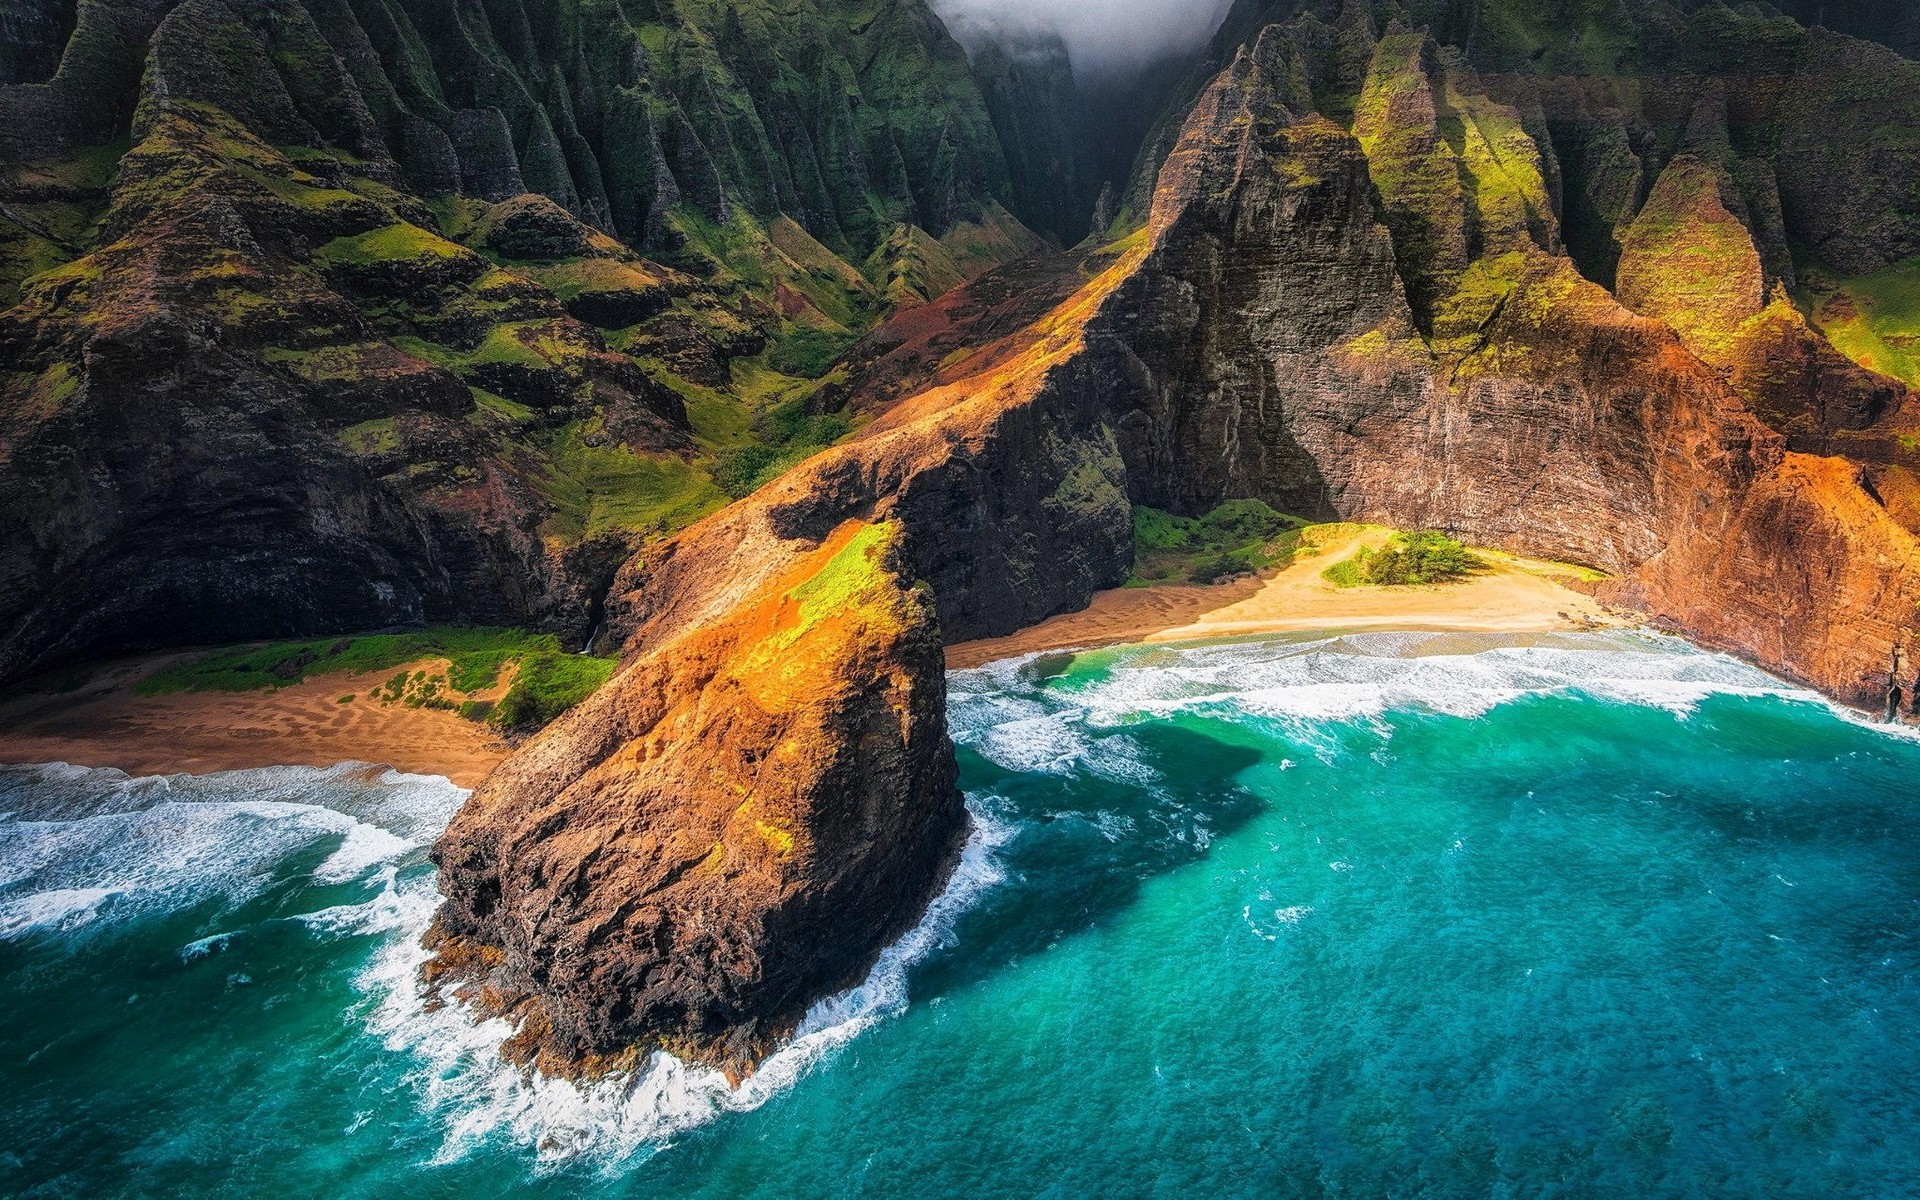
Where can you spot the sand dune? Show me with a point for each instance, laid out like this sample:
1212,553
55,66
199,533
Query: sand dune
1517,595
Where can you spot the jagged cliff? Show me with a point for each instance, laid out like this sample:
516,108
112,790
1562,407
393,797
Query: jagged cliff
327,316
333,314
1375,321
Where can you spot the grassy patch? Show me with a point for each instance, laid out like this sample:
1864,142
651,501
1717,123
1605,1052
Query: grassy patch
510,411
549,680
595,489
783,435
548,684
1241,537
399,241
1872,319
1421,557
809,353
249,668
371,437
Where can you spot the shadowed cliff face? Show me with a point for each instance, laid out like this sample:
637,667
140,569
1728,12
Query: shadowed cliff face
848,119
315,323
1257,338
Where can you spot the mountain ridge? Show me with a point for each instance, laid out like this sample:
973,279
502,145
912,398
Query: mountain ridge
342,336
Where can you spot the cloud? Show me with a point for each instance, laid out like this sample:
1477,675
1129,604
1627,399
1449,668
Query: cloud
1100,35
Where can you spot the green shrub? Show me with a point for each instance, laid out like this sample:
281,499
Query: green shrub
790,424
1345,573
1154,530
809,353
1240,537
548,685
1421,557
738,471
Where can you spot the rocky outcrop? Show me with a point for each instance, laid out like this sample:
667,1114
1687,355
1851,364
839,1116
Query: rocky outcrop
729,833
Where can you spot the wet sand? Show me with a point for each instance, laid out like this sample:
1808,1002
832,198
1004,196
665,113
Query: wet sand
1516,595
105,723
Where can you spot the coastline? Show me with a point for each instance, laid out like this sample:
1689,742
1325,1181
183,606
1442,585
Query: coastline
1515,595
106,722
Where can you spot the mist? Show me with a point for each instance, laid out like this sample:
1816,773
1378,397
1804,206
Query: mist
1102,36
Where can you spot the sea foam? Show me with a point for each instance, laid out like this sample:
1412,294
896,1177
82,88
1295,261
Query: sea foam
485,1100
80,847
1306,684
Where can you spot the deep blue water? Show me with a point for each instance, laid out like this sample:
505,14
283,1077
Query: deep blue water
1395,914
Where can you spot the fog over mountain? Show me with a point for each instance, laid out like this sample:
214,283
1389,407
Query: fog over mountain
1101,35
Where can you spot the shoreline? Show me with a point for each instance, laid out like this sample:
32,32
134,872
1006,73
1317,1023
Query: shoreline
1515,595
106,722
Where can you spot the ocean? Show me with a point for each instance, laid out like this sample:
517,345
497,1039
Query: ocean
1400,914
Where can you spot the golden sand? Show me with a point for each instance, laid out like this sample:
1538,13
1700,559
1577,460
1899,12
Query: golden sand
1515,595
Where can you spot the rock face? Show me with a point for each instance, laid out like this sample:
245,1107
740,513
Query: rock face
1266,334
345,339
315,320
210,431
727,835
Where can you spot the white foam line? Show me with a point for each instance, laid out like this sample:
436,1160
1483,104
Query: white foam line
1343,678
485,1099
95,847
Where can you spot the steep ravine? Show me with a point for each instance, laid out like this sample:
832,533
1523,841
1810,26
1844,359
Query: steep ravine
614,884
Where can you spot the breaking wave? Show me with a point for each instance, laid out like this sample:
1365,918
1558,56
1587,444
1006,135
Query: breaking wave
483,1099
1305,684
341,853
90,850
82,848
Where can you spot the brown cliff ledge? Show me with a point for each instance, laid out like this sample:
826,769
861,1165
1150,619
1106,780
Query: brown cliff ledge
1255,339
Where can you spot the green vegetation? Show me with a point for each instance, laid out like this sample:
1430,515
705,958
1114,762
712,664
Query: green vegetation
248,668
1459,179
809,353
371,437
783,435
512,412
547,682
839,584
1421,557
1241,537
607,487
1872,319
397,242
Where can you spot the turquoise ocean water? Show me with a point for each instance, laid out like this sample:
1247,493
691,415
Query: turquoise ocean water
1393,914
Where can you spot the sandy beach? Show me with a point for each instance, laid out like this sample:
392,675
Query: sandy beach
105,722
1515,595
